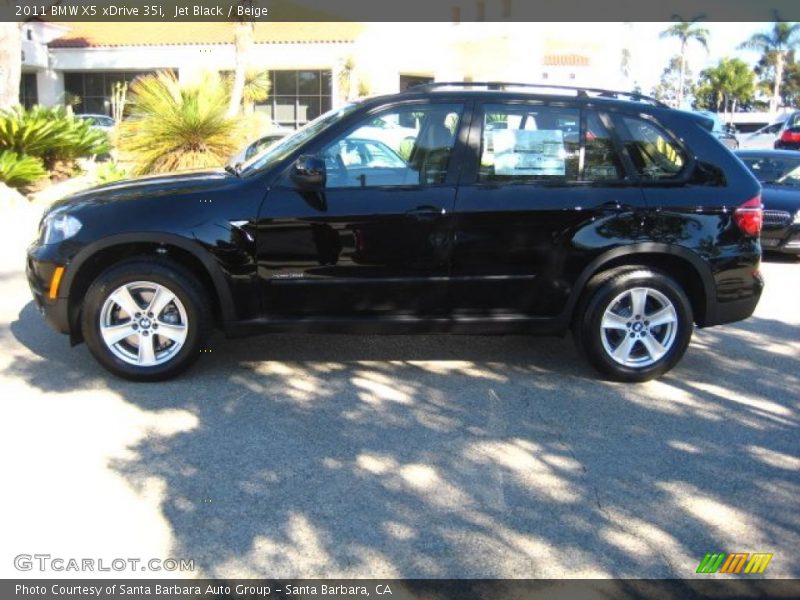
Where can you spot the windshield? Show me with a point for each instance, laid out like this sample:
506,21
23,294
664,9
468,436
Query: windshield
775,171
283,148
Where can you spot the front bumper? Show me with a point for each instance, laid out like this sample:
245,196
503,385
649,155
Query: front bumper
40,267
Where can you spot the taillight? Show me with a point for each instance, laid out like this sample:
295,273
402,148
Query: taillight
790,136
750,216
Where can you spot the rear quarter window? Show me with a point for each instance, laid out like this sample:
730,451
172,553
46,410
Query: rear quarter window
654,153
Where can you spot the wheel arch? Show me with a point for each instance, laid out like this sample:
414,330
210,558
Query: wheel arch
95,258
685,266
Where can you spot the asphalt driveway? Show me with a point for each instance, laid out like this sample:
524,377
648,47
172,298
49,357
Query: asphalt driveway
430,456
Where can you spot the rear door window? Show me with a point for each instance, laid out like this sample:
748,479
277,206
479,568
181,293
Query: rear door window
523,143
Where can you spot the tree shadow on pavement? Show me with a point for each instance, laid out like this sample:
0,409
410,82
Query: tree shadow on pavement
462,456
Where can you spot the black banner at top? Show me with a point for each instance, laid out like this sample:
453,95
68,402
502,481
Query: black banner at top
454,11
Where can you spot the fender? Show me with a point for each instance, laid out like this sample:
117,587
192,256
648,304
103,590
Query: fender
198,251
649,248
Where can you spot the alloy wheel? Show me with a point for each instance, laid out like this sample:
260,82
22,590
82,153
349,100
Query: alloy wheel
143,323
639,327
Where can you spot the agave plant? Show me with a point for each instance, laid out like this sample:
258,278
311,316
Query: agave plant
50,134
176,127
19,170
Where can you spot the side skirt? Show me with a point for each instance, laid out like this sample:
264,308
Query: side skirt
499,324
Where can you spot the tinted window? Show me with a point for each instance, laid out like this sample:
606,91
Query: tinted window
529,143
601,162
402,146
769,169
654,154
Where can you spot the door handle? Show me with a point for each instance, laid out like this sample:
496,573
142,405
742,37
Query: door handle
426,212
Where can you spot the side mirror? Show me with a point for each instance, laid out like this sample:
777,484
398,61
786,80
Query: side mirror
309,172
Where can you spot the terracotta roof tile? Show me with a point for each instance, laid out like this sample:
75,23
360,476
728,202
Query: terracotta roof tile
93,35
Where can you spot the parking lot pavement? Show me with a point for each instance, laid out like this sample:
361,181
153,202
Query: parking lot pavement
296,455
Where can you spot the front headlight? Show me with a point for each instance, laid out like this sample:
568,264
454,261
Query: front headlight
59,226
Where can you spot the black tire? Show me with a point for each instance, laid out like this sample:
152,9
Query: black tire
610,291
186,289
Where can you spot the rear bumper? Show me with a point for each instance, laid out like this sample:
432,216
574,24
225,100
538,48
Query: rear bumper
733,309
781,145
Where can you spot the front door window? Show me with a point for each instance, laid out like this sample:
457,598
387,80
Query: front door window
408,146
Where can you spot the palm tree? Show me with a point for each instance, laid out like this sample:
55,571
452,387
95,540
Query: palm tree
243,44
256,89
176,127
730,82
775,45
686,31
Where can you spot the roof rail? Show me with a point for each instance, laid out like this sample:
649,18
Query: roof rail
504,86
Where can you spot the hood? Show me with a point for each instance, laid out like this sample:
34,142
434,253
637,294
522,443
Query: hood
151,186
776,197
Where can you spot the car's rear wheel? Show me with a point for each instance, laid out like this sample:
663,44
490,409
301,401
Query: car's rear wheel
634,324
146,319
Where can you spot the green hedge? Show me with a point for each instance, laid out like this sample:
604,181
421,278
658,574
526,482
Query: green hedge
20,170
50,134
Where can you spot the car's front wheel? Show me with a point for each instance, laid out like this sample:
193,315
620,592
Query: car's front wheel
145,319
634,324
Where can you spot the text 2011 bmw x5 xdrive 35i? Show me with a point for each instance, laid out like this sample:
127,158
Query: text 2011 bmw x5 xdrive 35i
464,208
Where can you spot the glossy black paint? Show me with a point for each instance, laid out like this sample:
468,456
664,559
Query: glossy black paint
456,256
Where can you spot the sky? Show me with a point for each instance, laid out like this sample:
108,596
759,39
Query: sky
722,42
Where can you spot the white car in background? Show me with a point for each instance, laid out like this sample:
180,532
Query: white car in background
102,122
762,138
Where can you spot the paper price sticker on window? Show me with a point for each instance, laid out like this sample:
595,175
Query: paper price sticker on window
539,152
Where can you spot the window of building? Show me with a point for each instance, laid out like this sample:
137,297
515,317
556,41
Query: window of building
401,146
28,90
654,153
529,143
93,90
297,97
409,81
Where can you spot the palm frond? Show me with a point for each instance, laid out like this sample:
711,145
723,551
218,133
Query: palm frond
176,126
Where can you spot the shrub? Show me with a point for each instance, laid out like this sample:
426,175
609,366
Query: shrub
50,134
176,127
19,170
108,172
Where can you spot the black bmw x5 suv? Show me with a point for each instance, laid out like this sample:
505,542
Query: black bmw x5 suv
471,208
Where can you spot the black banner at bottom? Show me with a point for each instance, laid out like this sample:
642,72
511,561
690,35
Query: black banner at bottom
396,589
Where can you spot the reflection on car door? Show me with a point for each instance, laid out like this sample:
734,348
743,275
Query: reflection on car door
538,172
377,238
